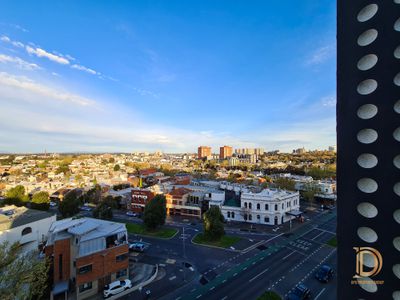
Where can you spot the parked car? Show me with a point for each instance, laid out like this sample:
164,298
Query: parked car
85,208
131,214
324,273
116,287
137,246
53,204
300,292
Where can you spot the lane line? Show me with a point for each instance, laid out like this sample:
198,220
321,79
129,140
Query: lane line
319,294
319,234
255,277
288,255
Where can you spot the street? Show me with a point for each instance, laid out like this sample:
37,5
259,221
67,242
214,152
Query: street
265,260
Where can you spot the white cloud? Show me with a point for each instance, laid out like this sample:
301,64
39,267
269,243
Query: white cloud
20,63
329,101
6,39
85,69
144,92
20,84
320,55
16,26
43,53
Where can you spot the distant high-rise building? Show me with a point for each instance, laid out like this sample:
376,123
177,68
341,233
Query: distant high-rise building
299,151
332,148
250,151
203,152
225,152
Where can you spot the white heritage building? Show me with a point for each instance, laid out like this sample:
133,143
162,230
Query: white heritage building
270,206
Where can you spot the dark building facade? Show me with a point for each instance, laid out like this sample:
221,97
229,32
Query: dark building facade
368,148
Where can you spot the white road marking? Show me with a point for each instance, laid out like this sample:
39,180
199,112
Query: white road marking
319,294
258,275
288,255
317,235
172,277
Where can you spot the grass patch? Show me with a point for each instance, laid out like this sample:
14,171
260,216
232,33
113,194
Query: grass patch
163,232
332,242
225,242
270,295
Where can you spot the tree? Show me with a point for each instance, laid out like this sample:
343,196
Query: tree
41,200
16,196
155,212
117,168
70,204
309,192
22,276
285,184
94,194
103,211
213,223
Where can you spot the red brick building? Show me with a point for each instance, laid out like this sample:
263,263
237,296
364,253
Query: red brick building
140,197
182,179
203,152
178,203
85,255
225,152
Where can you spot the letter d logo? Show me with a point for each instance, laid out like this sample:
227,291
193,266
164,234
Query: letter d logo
377,265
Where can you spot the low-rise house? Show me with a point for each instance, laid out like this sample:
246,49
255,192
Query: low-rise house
28,227
86,254
139,199
178,203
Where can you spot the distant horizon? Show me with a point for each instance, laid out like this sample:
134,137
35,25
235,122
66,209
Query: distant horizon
137,151
167,75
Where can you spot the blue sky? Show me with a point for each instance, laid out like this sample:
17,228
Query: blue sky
166,75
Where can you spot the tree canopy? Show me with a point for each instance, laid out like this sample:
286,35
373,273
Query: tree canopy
16,196
22,276
285,184
41,200
69,206
213,223
155,212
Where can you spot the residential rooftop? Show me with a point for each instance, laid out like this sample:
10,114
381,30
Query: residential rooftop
12,216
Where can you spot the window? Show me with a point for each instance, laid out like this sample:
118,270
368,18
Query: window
258,217
245,204
276,206
121,257
266,219
85,269
121,273
287,204
250,205
85,287
229,214
258,205
26,230
245,217
266,207
283,205
250,217
233,215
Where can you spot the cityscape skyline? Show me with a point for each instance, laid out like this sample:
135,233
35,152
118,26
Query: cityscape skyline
198,74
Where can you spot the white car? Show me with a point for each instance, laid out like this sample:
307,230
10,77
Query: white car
53,204
131,214
116,287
